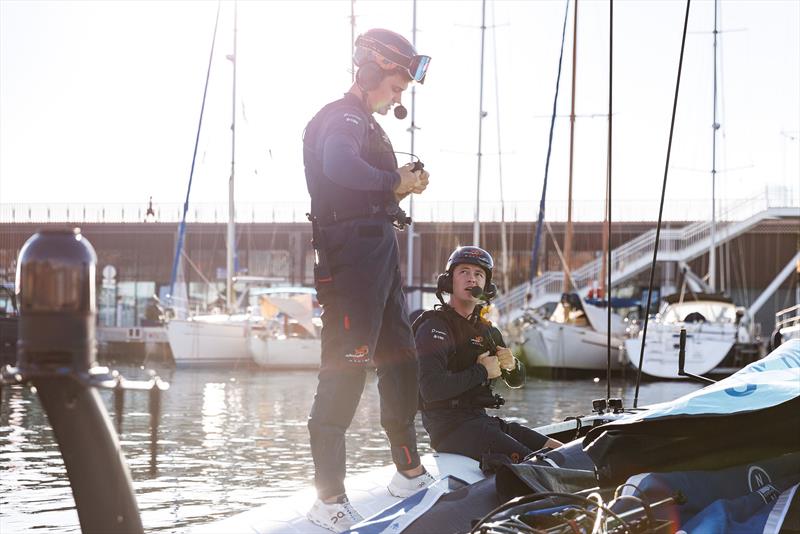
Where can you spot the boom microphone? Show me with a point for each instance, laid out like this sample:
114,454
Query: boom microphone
477,292
400,111
486,294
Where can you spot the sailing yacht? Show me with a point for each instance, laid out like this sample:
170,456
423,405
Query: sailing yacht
214,339
716,334
719,336
713,327
288,337
573,337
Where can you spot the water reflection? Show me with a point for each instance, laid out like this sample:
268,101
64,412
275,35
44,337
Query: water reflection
230,441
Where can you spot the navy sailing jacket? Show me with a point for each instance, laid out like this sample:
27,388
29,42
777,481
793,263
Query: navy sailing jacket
349,161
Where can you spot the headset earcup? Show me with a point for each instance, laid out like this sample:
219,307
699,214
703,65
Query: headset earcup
444,283
369,76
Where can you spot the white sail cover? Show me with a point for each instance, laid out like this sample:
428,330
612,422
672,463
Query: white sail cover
770,381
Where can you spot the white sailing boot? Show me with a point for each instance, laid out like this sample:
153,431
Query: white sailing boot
338,516
403,486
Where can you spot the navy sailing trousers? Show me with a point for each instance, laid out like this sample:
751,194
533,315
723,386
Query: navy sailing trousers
364,320
490,435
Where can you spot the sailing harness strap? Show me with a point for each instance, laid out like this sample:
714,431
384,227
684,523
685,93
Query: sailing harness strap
393,212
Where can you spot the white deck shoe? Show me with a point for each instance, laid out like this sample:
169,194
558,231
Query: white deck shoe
402,486
336,517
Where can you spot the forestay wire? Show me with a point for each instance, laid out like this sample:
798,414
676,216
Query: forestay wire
535,253
182,227
661,208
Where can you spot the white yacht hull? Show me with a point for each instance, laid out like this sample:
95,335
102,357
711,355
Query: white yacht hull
286,353
566,346
197,342
707,344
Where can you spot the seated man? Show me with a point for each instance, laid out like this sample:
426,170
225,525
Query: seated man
457,365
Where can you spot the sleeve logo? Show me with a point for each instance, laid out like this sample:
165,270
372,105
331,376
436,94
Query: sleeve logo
352,119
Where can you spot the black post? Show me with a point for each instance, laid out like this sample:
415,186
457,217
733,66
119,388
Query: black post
682,352
119,405
56,353
682,362
155,415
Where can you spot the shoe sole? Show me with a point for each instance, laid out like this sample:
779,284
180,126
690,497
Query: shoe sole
403,496
320,525
326,527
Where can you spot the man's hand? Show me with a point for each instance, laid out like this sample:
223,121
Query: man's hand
408,180
490,363
506,358
422,183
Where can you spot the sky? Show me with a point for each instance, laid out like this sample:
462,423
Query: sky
100,100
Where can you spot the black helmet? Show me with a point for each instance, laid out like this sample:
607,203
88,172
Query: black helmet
475,256
390,51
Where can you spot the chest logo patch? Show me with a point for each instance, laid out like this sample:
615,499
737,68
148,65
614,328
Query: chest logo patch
477,341
438,334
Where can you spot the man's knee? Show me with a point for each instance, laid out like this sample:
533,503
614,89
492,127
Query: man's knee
338,393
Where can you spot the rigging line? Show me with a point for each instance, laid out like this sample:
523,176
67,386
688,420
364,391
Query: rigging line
661,207
538,237
561,256
182,226
194,266
608,187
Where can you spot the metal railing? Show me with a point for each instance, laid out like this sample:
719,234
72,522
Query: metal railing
636,254
424,211
788,317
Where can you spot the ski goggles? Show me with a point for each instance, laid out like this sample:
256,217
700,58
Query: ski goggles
416,66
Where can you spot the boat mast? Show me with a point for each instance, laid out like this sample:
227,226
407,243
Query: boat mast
605,289
413,303
231,214
353,40
607,292
476,229
568,236
712,252
503,240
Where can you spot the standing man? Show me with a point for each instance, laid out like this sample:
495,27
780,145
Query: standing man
457,367
355,186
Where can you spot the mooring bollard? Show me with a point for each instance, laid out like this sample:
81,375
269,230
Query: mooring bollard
56,353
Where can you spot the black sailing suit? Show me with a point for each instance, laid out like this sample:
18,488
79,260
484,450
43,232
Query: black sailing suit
351,175
455,389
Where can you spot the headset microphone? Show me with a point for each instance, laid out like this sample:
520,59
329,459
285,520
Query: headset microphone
400,111
486,294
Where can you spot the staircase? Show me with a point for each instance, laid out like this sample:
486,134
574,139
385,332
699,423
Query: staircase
635,256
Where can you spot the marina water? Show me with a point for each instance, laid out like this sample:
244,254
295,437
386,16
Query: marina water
230,440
